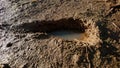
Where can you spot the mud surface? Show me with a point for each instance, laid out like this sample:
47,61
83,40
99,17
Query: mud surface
25,26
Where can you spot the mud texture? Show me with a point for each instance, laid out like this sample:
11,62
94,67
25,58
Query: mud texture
24,42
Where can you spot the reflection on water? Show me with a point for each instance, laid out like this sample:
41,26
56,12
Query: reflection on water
65,34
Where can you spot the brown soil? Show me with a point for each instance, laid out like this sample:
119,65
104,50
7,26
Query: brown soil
24,42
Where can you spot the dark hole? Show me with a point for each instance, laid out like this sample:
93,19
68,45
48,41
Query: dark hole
67,27
52,25
6,66
9,45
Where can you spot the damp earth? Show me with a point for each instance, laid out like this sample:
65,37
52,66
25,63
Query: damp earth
59,33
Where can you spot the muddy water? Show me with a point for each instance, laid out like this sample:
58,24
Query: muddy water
66,35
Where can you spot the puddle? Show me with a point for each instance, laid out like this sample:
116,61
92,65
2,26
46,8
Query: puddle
66,34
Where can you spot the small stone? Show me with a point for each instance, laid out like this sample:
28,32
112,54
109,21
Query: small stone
114,41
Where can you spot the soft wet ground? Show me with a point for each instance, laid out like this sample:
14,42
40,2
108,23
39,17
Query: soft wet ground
66,34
